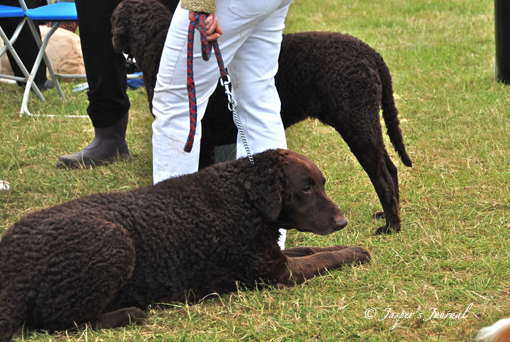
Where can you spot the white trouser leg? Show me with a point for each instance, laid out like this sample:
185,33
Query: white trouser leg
250,46
257,98
258,101
170,105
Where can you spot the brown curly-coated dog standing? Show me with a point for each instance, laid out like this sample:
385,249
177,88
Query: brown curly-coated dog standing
333,77
105,257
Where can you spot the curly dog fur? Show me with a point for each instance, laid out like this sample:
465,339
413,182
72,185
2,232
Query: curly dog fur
105,257
332,77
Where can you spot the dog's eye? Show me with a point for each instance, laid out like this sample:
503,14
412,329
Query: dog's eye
308,190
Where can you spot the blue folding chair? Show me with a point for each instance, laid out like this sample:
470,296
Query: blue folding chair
15,12
56,13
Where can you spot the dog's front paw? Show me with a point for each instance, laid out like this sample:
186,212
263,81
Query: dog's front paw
361,255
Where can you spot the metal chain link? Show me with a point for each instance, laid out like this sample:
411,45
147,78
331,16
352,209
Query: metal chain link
232,104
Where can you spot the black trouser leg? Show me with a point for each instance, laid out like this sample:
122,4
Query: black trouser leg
106,69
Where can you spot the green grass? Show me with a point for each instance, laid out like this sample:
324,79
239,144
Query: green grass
454,248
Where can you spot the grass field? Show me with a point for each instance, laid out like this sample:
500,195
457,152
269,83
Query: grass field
453,253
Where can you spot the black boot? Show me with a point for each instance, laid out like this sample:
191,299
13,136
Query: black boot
109,144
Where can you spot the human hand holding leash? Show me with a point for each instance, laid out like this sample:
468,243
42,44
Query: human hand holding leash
213,28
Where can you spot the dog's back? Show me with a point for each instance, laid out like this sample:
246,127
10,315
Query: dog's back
335,77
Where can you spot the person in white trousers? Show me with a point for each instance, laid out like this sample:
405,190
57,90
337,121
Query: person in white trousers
249,39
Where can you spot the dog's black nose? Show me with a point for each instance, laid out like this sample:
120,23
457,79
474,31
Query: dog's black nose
341,223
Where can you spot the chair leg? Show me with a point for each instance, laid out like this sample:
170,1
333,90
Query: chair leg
42,54
9,46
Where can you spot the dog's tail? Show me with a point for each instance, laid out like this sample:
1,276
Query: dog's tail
498,332
13,313
390,114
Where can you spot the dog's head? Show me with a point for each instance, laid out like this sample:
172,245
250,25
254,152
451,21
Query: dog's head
136,24
298,200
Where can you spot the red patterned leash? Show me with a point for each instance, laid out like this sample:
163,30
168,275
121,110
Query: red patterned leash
224,80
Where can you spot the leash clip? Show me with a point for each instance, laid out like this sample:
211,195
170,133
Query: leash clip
232,104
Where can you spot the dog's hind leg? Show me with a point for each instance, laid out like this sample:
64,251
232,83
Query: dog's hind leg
359,123
302,268
392,169
86,268
383,174
119,318
13,312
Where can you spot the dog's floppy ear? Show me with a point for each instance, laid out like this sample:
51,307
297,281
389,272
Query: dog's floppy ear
266,197
265,188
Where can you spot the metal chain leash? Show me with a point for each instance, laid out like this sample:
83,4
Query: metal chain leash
232,104
224,81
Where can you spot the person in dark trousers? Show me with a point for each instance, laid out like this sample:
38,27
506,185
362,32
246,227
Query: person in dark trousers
109,104
26,47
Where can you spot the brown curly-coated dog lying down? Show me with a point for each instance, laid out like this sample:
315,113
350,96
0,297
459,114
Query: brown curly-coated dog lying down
105,257
330,76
